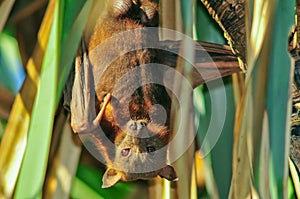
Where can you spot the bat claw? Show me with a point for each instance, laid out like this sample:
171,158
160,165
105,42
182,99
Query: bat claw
100,115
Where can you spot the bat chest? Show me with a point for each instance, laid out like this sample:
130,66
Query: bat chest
138,93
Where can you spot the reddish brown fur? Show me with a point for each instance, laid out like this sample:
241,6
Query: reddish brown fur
116,121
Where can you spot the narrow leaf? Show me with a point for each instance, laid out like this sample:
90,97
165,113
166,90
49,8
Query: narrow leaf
15,137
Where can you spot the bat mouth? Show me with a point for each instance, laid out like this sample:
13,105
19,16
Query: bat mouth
167,172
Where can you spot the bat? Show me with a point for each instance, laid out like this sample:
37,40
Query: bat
117,99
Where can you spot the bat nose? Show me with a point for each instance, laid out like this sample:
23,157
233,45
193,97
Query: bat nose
136,128
136,125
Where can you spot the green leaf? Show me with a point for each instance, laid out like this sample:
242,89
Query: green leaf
83,190
92,178
278,104
208,30
33,168
11,69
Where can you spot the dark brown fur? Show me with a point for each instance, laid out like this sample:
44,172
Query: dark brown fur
126,128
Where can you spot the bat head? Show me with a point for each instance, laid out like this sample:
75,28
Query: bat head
141,153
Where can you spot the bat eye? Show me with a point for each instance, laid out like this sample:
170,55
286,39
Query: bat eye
150,149
143,124
125,152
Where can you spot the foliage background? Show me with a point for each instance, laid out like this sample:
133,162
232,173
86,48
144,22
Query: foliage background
39,41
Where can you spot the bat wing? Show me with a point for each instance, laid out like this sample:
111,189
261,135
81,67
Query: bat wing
211,61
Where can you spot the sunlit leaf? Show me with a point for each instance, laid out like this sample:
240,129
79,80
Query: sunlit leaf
259,95
35,158
295,177
15,137
63,168
184,128
30,184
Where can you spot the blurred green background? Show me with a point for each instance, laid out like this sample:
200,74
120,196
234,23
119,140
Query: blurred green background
49,160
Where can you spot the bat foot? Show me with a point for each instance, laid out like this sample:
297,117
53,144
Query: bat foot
100,115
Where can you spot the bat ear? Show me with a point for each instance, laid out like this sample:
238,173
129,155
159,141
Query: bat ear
110,178
169,173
